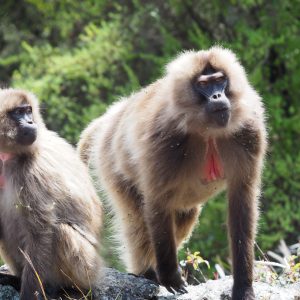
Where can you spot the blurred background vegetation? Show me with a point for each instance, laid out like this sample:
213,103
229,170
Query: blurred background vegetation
80,56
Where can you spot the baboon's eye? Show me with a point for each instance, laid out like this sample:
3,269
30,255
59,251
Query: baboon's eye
18,111
203,82
220,79
29,110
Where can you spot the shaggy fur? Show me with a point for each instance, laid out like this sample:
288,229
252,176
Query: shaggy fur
48,207
149,151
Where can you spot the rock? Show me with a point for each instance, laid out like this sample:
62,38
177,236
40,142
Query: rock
221,289
115,285
8,293
121,286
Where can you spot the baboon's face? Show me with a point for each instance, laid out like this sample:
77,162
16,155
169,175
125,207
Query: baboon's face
26,129
211,91
18,129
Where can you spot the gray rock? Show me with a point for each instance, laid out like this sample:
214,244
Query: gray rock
8,293
120,286
221,289
115,285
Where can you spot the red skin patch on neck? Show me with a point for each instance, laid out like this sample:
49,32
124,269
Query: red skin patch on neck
4,157
212,169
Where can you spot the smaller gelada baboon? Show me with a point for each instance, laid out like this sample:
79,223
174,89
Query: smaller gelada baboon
50,214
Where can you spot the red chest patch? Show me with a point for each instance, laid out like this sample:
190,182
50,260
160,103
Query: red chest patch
212,169
3,158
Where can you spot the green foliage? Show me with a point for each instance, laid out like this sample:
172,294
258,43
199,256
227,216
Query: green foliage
75,84
79,56
192,266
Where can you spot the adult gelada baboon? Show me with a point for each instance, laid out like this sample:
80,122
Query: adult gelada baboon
164,151
50,215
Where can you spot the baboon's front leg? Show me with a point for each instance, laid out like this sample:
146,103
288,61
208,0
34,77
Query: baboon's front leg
160,224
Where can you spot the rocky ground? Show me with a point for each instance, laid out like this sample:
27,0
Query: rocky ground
221,289
120,286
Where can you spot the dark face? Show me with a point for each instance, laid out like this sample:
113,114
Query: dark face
26,128
211,86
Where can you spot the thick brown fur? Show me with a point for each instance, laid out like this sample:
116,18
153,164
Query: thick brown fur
148,151
48,207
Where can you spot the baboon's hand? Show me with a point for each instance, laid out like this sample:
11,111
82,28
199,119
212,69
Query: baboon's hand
243,293
173,282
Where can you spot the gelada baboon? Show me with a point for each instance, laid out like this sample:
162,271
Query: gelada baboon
50,215
164,151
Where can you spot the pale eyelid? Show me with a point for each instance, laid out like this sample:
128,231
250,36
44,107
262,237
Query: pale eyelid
218,75
206,78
